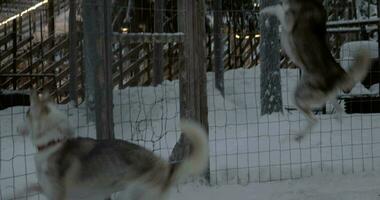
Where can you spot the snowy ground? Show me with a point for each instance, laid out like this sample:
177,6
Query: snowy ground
244,146
350,187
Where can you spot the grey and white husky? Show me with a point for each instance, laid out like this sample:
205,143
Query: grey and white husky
304,39
84,168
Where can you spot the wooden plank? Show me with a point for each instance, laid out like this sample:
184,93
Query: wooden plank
134,66
56,48
131,38
23,56
352,22
128,55
57,77
137,76
5,39
26,75
46,71
19,45
42,59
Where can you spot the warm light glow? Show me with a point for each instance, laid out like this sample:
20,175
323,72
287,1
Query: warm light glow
237,36
247,37
257,36
24,12
124,29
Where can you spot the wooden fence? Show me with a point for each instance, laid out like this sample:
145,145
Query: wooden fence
44,63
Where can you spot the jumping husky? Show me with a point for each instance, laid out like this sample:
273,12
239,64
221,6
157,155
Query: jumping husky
84,168
304,39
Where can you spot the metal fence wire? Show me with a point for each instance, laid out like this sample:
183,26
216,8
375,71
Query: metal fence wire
245,146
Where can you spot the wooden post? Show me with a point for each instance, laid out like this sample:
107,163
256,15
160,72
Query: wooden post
120,51
73,52
218,47
192,75
158,54
51,24
378,30
98,58
14,50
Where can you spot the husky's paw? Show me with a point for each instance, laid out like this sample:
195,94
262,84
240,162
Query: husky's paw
299,136
338,111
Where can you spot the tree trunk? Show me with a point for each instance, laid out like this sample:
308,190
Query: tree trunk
218,47
270,80
192,78
98,60
158,53
51,26
73,44
90,27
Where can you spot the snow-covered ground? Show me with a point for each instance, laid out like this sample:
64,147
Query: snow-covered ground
245,147
364,186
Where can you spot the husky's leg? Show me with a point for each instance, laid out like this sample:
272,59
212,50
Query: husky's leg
304,98
339,110
311,121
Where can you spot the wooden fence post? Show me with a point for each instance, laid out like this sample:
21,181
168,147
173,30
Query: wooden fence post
192,75
378,29
14,50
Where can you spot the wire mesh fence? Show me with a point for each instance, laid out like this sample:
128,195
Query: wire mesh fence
244,146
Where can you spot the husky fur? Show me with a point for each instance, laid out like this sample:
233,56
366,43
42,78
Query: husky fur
304,39
84,168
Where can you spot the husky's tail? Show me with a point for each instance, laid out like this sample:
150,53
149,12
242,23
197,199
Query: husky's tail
357,71
197,161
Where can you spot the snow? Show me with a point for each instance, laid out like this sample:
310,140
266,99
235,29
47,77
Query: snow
364,186
245,147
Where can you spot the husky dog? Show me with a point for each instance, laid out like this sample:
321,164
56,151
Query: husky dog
84,168
304,39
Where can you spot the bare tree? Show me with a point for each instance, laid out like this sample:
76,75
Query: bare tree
271,98
193,93
218,46
158,53
98,58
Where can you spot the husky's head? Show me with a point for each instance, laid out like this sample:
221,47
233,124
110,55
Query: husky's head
44,122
